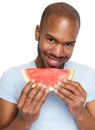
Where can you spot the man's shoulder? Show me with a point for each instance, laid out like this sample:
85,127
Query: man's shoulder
27,65
78,66
81,70
10,72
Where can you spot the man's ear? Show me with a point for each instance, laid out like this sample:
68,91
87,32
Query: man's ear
37,33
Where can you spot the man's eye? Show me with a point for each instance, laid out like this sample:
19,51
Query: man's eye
50,40
69,44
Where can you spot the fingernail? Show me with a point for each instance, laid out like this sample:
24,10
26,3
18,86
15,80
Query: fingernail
65,80
59,83
56,86
32,80
47,90
40,84
55,91
44,85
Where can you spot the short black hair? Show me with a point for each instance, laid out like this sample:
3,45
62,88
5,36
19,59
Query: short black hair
60,9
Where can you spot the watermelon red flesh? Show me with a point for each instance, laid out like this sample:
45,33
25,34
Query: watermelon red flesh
48,76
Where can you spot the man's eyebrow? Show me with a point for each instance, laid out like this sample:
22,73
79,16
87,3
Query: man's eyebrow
49,35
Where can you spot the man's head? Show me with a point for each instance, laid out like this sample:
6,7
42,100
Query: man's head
56,35
61,9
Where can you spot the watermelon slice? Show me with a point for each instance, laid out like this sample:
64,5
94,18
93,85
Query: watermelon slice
48,76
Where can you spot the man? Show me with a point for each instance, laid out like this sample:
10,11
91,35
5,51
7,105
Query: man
72,104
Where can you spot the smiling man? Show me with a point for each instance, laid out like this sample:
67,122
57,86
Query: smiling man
56,41
72,104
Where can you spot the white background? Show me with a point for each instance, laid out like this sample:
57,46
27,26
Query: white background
18,19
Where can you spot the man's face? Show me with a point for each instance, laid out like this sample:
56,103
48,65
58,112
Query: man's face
56,41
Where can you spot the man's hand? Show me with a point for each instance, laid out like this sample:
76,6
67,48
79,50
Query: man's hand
30,102
73,95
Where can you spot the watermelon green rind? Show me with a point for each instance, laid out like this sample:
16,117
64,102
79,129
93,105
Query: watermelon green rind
25,76
51,89
50,86
72,74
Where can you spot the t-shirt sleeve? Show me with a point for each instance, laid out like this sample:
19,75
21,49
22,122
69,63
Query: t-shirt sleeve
7,87
90,80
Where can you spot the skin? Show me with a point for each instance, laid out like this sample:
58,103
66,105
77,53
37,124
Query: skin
56,42
55,46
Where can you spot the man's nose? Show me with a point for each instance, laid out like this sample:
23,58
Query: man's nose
58,51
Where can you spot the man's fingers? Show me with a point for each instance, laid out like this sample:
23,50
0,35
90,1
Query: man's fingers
30,98
38,100
76,86
24,92
41,102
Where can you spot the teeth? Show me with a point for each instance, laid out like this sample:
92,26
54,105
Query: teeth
55,59
52,61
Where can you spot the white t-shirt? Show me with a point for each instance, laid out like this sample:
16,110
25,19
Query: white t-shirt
54,114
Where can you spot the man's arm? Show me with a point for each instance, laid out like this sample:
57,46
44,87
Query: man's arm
8,112
29,105
86,120
73,94
8,117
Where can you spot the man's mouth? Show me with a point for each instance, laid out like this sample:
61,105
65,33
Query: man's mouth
53,62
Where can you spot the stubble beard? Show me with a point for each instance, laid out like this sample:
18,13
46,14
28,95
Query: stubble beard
40,59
